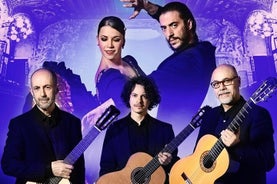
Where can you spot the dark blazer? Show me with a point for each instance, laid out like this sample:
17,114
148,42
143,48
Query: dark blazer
253,156
28,152
183,80
116,148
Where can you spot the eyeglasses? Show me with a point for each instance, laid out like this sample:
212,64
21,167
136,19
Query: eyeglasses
225,82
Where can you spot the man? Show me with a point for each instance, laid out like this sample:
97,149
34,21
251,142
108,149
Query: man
251,148
138,131
183,77
41,138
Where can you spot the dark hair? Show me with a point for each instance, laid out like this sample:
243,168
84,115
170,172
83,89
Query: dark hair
114,22
151,90
184,13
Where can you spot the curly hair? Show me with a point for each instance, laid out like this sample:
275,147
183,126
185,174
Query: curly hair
151,90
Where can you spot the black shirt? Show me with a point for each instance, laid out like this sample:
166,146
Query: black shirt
139,135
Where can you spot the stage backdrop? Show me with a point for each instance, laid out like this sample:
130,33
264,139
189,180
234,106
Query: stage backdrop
70,47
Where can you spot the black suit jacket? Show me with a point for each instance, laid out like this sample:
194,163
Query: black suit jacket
116,147
31,147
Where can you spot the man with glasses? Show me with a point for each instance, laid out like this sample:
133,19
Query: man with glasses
251,148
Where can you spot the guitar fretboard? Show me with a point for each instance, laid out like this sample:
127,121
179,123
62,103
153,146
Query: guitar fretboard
82,146
233,126
196,121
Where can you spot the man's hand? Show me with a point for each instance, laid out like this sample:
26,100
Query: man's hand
164,158
138,5
61,169
229,138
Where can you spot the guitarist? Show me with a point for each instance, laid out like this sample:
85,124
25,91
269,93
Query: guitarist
39,139
251,148
138,131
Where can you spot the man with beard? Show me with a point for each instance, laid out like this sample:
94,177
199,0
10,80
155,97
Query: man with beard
41,138
250,146
183,77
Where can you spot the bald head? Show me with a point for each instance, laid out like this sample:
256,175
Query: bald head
226,82
44,89
224,71
44,71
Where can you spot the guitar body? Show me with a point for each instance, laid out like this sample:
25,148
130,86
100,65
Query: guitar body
125,176
63,181
192,170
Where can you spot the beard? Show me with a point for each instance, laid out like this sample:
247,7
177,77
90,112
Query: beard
184,43
45,104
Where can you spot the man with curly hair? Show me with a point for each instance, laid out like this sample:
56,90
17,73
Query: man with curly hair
138,131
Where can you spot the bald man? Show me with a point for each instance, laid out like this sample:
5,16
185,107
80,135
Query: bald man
41,138
251,147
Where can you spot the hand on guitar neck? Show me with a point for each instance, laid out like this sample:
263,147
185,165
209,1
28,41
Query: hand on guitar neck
61,169
164,158
142,168
230,138
210,159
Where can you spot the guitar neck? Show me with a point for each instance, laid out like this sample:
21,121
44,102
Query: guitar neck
77,151
233,126
178,139
82,146
154,163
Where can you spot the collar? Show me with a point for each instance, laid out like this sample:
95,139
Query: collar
144,122
234,109
185,47
42,118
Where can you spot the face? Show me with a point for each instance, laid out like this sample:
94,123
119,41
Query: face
43,90
110,42
226,94
138,101
175,31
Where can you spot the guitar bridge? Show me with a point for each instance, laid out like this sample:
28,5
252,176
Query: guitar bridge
184,176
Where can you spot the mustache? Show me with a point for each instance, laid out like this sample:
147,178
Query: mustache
43,98
139,105
172,37
223,92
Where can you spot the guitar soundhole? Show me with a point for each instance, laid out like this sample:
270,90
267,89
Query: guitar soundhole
206,162
138,176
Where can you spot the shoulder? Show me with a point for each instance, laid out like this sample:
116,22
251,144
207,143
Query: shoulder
23,121
25,116
120,123
108,75
118,126
130,59
258,110
206,44
134,64
159,123
68,117
199,49
212,113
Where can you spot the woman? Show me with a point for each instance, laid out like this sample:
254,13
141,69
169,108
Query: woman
113,70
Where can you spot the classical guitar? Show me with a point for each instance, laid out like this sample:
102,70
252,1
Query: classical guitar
142,168
103,121
210,159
